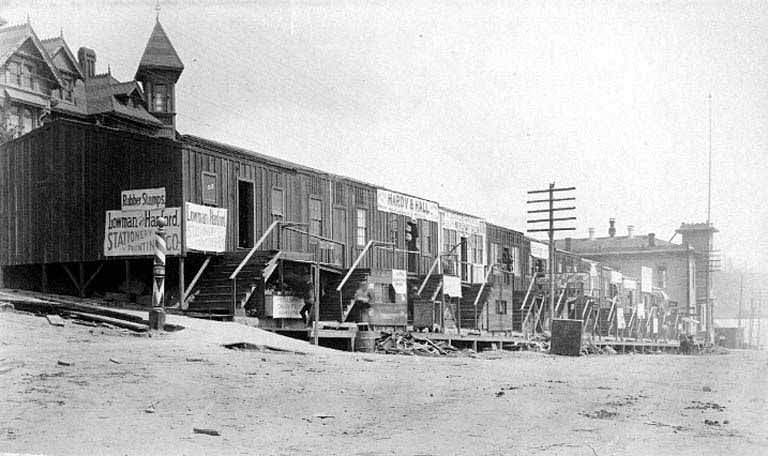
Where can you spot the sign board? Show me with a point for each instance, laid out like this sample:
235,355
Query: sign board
452,286
132,233
282,306
630,284
464,225
415,208
646,279
655,325
400,281
539,250
620,318
142,199
641,310
205,228
616,277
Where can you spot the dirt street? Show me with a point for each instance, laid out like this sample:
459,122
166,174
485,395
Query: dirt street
94,390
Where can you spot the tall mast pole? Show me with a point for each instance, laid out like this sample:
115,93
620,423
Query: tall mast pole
710,318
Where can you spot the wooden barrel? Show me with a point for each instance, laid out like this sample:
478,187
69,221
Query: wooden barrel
365,341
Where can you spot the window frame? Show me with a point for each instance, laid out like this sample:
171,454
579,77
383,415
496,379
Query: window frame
204,194
501,307
358,227
272,209
319,220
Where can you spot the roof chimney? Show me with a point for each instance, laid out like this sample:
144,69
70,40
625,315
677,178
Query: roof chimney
630,230
591,232
87,60
612,228
651,239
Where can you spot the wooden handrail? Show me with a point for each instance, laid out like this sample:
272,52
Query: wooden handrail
528,293
354,265
196,278
253,250
482,287
429,274
560,300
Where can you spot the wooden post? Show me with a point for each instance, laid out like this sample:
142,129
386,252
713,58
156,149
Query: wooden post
182,290
316,284
44,270
127,273
81,277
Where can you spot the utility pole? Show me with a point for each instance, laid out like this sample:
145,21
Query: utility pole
550,230
709,304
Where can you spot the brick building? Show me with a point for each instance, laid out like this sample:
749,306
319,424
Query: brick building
672,267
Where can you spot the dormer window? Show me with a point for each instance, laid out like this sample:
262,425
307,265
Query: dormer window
160,98
13,73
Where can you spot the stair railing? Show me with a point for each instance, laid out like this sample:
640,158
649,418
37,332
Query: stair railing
233,276
611,314
188,291
429,274
482,287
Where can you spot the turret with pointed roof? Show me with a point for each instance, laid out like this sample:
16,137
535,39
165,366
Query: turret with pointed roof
158,72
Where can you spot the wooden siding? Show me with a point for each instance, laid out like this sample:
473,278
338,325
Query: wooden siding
506,237
57,182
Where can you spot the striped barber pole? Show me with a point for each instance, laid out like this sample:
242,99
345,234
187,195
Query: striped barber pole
158,269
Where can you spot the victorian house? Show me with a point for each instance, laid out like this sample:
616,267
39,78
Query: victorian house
42,80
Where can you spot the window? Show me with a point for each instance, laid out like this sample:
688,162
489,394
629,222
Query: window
426,237
278,203
661,277
210,196
477,249
516,260
494,255
362,226
160,100
501,307
29,123
66,89
13,73
29,77
315,216
12,121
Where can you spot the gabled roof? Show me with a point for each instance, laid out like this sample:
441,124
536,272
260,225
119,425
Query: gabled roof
159,53
12,38
104,94
55,45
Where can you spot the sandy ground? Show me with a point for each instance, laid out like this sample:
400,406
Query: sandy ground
137,395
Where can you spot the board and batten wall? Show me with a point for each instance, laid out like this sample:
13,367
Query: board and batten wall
57,182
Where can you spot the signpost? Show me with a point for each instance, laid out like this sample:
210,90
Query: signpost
550,220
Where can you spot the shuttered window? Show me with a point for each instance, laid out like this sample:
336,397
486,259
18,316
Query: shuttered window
278,202
315,216
362,227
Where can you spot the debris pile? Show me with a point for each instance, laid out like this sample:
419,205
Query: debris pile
403,343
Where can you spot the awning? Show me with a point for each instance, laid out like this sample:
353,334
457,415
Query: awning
28,98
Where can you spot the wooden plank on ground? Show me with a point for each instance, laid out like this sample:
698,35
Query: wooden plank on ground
138,327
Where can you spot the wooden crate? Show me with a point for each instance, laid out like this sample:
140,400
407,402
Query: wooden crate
566,337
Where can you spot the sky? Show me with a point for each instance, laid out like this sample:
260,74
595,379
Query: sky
472,104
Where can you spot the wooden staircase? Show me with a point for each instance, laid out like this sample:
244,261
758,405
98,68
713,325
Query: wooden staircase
348,292
213,292
468,312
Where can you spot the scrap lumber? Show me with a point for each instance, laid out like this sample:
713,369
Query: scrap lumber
403,343
137,327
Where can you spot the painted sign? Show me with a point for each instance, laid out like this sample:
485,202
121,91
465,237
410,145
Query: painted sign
409,206
620,318
132,233
655,325
400,281
539,250
464,225
616,277
646,279
641,310
205,228
452,286
630,284
142,199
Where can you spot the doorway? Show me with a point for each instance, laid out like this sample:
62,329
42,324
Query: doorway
245,211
